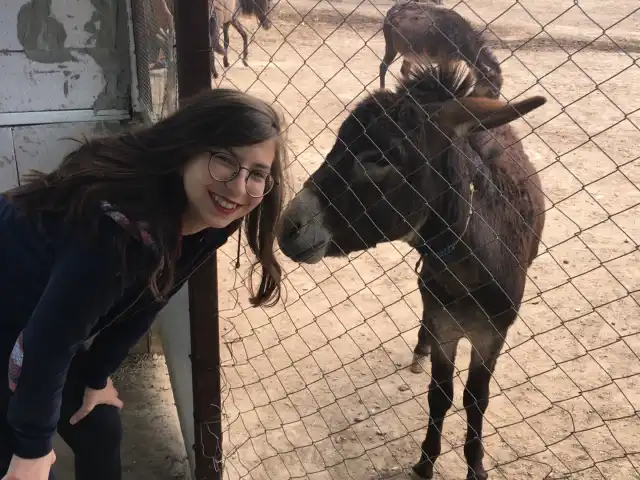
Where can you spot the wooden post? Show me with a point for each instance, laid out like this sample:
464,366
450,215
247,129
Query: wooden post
193,65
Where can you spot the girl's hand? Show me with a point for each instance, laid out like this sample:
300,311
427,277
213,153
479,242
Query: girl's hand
107,396
30,468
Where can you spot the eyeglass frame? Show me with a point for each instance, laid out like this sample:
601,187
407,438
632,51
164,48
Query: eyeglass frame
230,155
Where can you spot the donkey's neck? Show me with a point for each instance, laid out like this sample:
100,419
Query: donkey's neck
447,226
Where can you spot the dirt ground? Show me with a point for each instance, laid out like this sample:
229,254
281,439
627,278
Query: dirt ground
152,446
318,386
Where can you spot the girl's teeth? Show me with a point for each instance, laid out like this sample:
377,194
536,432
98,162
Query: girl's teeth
224,203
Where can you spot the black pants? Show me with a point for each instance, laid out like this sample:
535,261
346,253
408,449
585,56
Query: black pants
95,440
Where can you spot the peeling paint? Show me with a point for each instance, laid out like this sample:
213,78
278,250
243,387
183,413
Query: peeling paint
22,80
99,33
43,72
108,24
8,168
41,35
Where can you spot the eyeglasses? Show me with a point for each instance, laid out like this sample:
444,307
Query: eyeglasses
224,167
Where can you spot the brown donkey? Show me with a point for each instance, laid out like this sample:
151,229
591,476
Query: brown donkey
418,165
227,12
422,32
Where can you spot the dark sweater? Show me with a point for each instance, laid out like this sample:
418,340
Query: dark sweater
59,287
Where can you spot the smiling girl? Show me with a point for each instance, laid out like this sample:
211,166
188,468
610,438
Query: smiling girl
92,251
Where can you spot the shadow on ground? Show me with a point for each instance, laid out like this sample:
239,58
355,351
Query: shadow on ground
153,447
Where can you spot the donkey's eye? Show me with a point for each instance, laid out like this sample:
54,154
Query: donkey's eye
383,161
373,157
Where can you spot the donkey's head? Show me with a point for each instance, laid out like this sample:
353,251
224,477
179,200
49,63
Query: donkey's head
385,171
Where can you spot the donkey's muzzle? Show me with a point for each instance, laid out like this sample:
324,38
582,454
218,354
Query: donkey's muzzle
303,238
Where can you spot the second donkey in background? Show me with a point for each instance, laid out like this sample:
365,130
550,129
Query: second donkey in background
223,13
427,33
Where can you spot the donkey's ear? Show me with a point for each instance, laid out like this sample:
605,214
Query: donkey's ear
464,115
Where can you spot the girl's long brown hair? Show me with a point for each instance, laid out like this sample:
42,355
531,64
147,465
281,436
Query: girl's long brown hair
140,172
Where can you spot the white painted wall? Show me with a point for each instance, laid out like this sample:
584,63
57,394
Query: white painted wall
63,55
29,86
173,323
41,147
8,170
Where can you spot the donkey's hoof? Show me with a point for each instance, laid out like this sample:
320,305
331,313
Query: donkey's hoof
225,63
245,63
417,366
422,471
477,475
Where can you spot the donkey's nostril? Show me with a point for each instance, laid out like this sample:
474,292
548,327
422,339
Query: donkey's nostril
292,228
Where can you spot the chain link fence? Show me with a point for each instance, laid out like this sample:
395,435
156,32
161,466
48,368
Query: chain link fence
155,93
320,385
154,36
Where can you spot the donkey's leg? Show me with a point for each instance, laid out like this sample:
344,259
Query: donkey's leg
443,358
214,33
214,72
425,332
390,51
484,354
245,40
405,68
421,349
389,57
225,34
214,42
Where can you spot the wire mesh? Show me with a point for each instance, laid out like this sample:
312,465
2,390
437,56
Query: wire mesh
320,386
154,36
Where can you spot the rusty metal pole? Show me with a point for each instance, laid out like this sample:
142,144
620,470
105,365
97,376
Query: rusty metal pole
193,65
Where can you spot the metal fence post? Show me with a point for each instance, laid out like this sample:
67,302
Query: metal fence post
193,65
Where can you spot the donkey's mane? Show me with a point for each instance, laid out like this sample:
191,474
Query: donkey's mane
426,84
438,82
402,116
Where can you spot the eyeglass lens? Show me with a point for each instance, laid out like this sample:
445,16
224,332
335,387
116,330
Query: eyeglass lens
225,168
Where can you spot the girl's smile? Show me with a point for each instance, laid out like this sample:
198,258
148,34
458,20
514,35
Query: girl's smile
224,205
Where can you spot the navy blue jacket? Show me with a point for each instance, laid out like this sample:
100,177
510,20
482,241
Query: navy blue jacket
61,287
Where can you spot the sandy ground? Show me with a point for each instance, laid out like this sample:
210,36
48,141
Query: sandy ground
318,386
152,447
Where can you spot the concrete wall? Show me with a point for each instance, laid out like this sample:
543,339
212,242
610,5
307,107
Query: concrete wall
8,168
64,54
64,71
174,327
